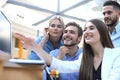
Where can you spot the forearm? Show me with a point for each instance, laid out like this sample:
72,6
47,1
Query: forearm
44,39
62,68
29,43
42,54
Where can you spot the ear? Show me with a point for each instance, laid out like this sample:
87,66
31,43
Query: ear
119,13
79,39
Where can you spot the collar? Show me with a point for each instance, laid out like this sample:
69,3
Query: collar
117,28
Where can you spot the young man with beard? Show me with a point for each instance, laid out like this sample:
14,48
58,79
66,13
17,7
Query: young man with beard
111,12
70,51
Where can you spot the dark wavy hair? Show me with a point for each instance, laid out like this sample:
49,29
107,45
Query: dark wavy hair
115,4
80,31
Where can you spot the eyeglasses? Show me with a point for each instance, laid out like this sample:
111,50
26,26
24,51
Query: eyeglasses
53,25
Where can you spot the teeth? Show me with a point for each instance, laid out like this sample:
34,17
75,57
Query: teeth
88,37
67,39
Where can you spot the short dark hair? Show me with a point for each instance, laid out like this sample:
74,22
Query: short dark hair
115,4
80,31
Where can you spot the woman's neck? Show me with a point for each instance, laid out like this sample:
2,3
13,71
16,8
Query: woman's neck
98,50
54,41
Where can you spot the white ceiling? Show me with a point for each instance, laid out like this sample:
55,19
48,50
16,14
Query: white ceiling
38,12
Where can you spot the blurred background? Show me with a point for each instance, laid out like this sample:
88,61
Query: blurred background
29,17
37,13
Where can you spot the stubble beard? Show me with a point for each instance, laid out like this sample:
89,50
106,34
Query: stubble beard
113,23
72,44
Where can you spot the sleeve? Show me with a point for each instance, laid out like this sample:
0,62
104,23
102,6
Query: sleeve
54,52
32,54
115,72
38,39
66,66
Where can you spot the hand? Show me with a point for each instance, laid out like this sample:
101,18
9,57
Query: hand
27,42
45,37
46,32
63,51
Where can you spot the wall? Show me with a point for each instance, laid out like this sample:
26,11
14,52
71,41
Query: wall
23,29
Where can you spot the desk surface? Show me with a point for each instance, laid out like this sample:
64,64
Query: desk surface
4,56
30,66
13,71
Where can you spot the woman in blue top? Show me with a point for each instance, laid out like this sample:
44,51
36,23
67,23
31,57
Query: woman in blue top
52,38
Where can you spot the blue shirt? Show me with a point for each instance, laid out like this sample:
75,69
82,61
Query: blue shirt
47,47
68,76
115,36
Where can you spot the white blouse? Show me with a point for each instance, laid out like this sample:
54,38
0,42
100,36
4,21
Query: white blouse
110,64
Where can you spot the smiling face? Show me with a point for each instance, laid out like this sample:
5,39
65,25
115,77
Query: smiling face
91,34
70,36
111,16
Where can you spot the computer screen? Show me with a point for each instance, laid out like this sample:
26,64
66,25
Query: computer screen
5,33
6,41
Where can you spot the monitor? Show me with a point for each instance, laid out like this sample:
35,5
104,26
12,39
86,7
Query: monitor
5,33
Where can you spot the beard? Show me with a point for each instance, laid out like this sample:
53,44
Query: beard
72,44
113,22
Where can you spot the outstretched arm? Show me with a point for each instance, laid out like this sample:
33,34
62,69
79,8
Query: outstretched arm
60,65
29,43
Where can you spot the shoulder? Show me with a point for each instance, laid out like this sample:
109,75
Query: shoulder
39,37
110,64
54,52
80,50
112,52
111,56
118,27
115,50
61,42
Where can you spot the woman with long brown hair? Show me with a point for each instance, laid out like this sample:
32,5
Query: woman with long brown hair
96,39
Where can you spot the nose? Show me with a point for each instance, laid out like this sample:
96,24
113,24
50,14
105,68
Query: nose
56,27
86,31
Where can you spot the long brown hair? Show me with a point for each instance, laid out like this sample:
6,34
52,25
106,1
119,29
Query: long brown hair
86,67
